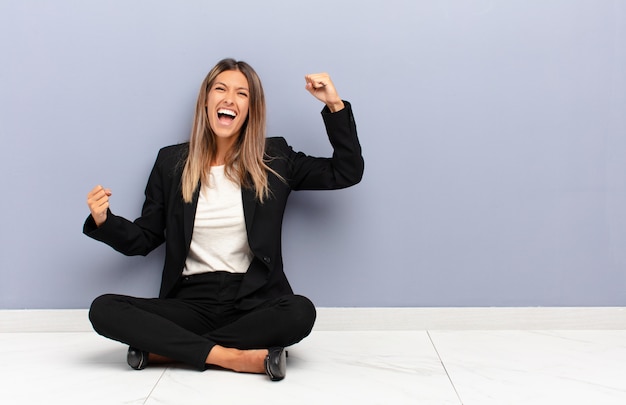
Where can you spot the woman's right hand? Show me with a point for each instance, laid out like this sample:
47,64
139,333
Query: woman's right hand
98,202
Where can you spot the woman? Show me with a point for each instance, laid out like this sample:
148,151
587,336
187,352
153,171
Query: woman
218,202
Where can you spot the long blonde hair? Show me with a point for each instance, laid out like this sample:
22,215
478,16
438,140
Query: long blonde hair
245,163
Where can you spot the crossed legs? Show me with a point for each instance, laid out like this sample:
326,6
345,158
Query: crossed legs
200,332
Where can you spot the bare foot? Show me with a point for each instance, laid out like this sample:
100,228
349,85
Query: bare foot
242,361
158,359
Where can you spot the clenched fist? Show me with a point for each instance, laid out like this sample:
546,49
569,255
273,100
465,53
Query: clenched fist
320,85
98,202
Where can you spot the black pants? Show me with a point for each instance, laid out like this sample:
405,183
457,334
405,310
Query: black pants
201,315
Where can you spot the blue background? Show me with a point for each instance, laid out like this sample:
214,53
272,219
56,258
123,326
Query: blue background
493,132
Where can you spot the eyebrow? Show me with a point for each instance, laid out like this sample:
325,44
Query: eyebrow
238,88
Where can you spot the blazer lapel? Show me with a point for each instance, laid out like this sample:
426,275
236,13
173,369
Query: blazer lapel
248,197
189,215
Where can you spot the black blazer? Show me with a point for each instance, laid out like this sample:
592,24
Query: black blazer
165,217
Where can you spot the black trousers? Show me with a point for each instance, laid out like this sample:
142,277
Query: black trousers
201,315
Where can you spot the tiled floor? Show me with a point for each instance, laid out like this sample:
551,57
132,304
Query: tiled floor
350,367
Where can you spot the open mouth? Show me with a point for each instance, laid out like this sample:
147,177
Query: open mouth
226,116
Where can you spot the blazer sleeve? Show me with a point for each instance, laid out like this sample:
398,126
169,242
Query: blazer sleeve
144,234
345,167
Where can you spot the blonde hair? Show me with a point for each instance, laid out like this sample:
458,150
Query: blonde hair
245,163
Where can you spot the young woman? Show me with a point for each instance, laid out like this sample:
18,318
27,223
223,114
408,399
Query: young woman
218,202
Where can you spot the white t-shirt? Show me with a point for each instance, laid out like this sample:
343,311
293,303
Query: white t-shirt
219,241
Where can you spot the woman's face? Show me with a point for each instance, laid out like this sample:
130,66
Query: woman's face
227,104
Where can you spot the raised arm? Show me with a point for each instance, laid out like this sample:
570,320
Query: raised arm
345,167
130,238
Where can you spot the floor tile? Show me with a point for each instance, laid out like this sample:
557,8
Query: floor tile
327,368
535,367
69,368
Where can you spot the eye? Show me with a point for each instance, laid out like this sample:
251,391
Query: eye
219,88
243,94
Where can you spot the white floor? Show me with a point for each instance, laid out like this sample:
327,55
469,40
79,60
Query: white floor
329,367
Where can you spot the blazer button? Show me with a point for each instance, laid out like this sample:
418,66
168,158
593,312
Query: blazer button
267,260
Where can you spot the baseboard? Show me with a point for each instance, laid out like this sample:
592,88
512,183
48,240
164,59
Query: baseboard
44,320
535,318
354,319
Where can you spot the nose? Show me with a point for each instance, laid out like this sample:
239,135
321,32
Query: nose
229,97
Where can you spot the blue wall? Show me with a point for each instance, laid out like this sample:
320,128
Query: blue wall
494,134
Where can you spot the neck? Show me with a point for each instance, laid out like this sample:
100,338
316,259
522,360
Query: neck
219,159
223,146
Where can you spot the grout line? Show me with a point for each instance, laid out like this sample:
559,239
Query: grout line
155,385
444,368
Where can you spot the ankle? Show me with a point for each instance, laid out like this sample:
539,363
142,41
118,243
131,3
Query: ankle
242,361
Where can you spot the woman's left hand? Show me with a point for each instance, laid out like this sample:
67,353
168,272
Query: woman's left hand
320,85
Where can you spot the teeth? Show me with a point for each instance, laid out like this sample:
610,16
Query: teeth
227,112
